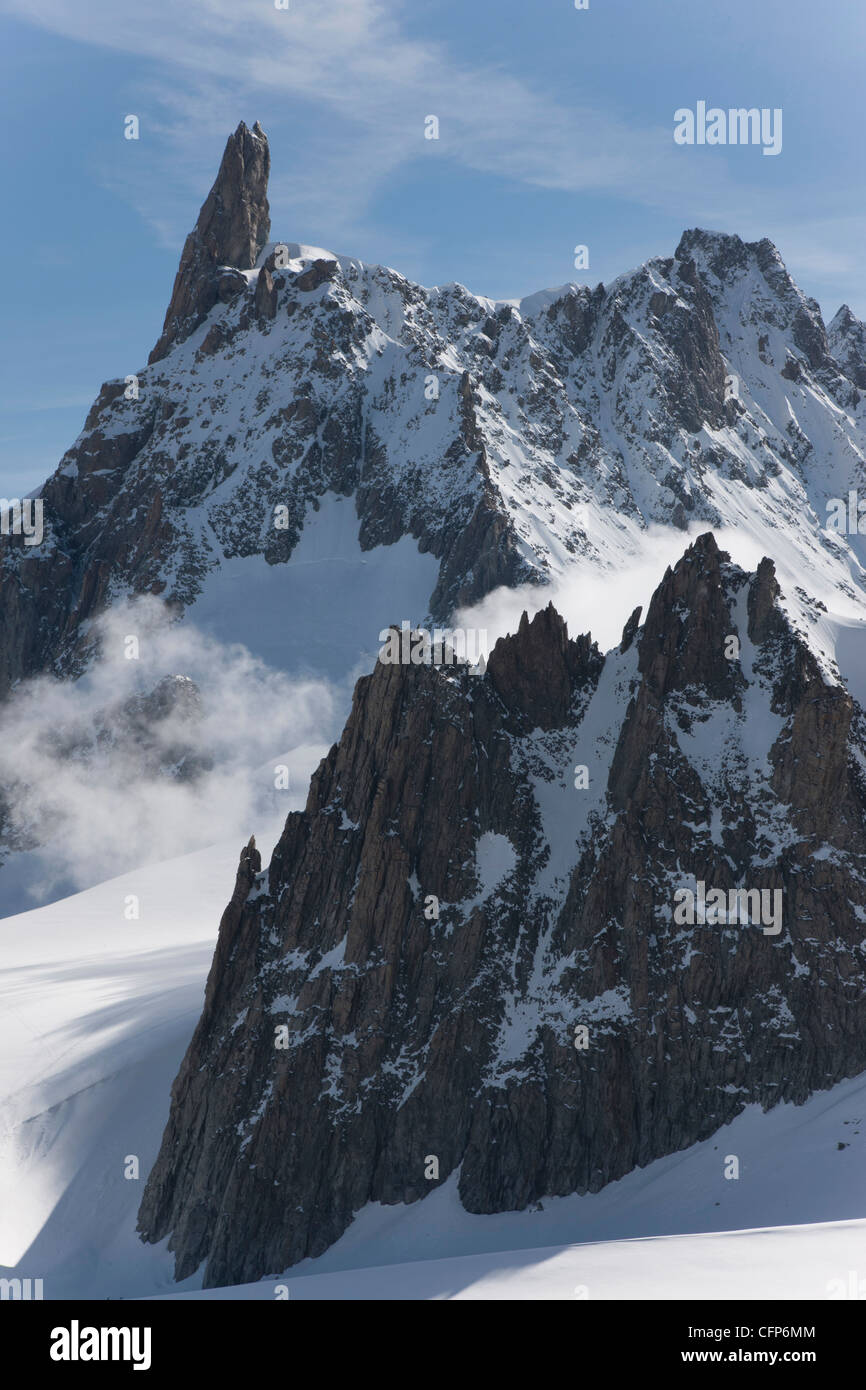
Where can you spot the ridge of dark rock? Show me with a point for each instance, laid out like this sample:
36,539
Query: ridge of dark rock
537,670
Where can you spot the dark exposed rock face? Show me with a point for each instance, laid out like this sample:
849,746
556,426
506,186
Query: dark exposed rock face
231,230
630,630
408,1035
542,645
698,381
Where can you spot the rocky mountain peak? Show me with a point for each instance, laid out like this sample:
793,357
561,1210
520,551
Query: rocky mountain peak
464,950
846,336
722,252
680,646
542,645
843,321
232,228
764,618
722,260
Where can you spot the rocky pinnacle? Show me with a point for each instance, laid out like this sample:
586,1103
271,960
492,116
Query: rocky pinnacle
232,227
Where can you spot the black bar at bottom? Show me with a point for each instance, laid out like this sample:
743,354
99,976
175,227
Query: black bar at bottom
222,1336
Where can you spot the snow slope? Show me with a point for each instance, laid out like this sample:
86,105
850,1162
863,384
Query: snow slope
97,1012
322,611
785,1262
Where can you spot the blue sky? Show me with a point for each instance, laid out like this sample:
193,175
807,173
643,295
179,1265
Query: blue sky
556,128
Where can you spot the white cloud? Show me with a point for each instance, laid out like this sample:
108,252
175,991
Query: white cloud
600,601
99,815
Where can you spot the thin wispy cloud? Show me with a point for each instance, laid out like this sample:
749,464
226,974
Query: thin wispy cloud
352,64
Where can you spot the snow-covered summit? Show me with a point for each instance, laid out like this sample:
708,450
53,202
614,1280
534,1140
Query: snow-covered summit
505,441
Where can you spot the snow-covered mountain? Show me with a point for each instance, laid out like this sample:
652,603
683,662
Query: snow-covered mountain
317,448
503,440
